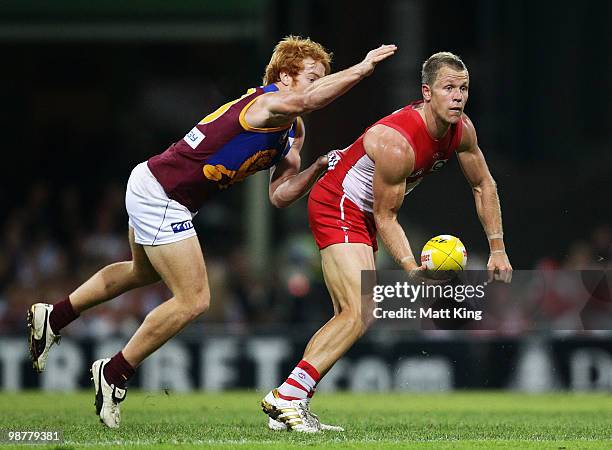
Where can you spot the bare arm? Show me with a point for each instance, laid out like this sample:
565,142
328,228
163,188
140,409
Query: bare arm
278,108
483,185
394,162
287,183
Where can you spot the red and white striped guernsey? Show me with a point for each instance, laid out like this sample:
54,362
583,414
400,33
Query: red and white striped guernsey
351,171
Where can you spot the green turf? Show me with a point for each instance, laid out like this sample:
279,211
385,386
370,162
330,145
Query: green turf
229,420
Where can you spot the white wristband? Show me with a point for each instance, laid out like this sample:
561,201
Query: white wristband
407,258
498,251
495,236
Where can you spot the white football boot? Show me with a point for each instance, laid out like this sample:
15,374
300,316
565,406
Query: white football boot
276,425
41,337
108,396
294,414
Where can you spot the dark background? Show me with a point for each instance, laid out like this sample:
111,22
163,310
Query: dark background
90,90
83,110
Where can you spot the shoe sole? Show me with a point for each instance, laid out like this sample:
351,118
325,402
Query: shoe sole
32,347
98,401
275,425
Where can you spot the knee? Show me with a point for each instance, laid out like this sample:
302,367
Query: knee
200,302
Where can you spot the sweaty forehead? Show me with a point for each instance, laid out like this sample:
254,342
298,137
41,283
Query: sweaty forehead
312,66
449,75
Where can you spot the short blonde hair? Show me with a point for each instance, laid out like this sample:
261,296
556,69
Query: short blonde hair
435,62
289,55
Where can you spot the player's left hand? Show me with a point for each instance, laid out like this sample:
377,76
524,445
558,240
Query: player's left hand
375,56
499,267
321,164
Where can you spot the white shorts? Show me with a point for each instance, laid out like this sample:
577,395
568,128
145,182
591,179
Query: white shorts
156,219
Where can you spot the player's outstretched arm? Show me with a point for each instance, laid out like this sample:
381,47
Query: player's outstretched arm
393,163
287,183
282,107
483,185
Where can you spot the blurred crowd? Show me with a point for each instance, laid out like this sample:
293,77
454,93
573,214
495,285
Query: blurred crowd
56,239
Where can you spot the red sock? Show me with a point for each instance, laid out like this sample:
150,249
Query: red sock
301,382
118,371
62,315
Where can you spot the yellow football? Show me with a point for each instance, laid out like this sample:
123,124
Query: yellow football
444,252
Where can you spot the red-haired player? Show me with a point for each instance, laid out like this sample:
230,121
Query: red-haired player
260,130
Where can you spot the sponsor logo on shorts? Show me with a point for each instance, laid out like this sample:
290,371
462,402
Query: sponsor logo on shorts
182,226
194,137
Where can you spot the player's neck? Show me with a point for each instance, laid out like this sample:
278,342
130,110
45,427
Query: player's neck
435,126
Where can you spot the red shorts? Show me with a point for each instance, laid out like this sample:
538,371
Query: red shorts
335,219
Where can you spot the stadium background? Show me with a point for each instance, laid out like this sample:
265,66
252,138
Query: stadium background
91,90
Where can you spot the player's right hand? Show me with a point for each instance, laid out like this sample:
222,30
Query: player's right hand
421,275
375,56
413,269
499,268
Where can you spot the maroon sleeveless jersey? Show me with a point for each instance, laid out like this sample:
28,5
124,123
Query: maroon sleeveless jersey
222,149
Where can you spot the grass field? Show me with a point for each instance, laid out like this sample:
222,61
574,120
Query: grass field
229,420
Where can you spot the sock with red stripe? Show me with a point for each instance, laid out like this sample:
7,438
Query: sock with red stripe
118,371
311,393
62,315
301,382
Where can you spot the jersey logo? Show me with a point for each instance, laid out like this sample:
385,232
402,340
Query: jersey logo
194,137
178,227
333,158
438,164
226,177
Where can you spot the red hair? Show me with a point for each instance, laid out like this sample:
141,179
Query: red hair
289,54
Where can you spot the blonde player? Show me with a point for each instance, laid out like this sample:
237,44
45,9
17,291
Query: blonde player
360,196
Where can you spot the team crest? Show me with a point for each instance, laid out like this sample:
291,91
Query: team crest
226,177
